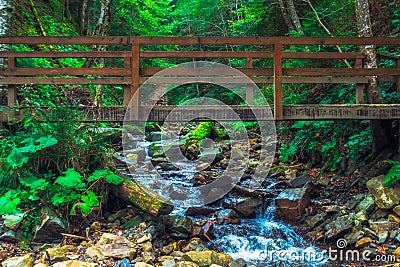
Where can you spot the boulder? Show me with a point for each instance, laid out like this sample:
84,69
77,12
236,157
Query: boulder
119,247
181,226
227,216
367,204
49,228
292,202
316,220
23,261
385,198
300,181
383,225
58,254
208,257
339,227
245,206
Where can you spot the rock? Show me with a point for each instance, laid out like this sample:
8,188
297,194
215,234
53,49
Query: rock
168,249
193,245
169,263
292,202
352,203
300,181
338,227
94,253
186,264
361,216
210,155
397,210
168,166
142,264
383,225
396,251
365,241
124,263
135,221
116,246
245,206
316,220
236,153
118,215
353,237
23,261
95,226
49,228
379,213
385,198
58,254
367,204
208,257
9,236
215,265
142,239
227,216
40,265
239,263
156,150
199,211
74,263
147,246
332,208
382,236
393,218
181,227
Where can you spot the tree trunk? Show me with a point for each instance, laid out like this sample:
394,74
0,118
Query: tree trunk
290,16
6,8
83,16
381,129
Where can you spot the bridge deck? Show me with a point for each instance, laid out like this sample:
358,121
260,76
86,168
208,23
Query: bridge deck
265,60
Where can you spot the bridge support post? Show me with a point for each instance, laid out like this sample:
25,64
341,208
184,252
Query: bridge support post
12,89
135,65
249,89
358,64
278,108
127,87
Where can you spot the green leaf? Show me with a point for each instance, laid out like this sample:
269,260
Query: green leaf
110,177
11,220
34,182
9,203
72,180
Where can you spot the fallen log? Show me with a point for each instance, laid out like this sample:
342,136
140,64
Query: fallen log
142,197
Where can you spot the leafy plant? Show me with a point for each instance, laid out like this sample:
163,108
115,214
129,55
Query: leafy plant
393,176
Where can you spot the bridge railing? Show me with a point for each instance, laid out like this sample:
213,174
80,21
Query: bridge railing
128,64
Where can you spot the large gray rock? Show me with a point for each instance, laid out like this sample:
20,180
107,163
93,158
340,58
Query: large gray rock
227,216
245,206
181,227
292,202
23,261
367,204
339,227
50,227
385,198
208,257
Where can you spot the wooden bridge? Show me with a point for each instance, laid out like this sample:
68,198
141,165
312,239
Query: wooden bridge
263,60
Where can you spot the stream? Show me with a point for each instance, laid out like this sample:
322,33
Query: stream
261,239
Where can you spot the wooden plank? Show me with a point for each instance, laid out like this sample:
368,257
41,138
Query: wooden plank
135,67
63,71
359,87
52,54
12,89
204,40
295,112
59,81
278,94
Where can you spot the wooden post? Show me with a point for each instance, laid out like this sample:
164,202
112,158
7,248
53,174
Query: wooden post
249,88
127,88
398,77
12,89
358,64
135,65
278,109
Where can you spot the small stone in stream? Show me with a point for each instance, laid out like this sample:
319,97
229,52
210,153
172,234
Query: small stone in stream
169,263
49,228
352,237
239,263
74,263
135,221
292,202
300,181
352,203
383,225
192,245
367,204
227,216
245,206
124,263
186,264
23,261
94,253
338,227
181,227
142,264
118,215
393,218
365,241
385,198
168,249
138,153
57,254
198,211
316,220
382,236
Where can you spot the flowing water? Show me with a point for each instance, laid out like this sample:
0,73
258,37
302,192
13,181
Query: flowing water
262,241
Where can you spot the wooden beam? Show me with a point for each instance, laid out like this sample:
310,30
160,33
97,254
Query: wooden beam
278,94
135,67
12,89
63,71
54,54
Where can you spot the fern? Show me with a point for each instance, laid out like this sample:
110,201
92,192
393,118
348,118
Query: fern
393,175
